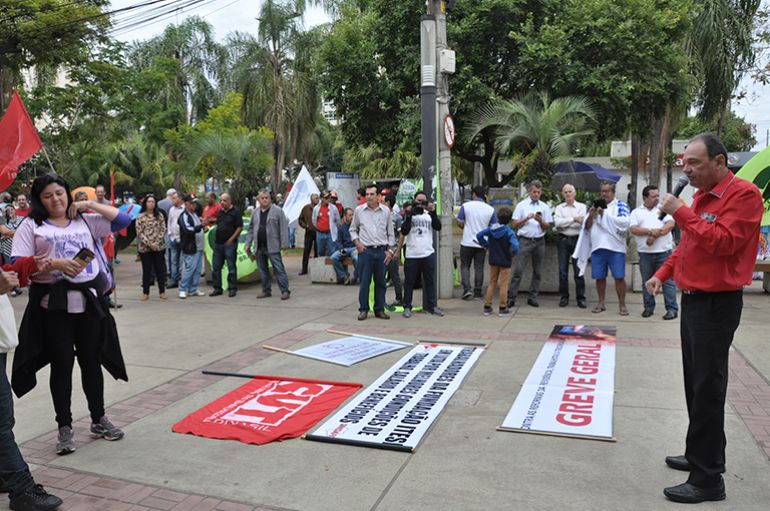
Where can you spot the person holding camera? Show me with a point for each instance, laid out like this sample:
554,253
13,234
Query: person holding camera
607,225
417,231
531,218
343,248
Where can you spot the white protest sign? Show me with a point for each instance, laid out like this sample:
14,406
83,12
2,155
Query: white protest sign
398,409
350,350
570,389
299,196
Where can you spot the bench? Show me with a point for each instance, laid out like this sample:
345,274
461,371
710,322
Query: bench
347,261
322,271
764,267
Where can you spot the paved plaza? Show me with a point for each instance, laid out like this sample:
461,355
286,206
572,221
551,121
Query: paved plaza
463,464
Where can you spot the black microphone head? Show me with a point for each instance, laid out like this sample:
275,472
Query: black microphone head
681,183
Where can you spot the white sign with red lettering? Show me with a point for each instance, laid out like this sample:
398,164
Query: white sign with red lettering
570,389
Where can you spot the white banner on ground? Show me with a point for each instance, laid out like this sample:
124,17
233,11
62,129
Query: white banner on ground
350,350
570,389
398,409
300,193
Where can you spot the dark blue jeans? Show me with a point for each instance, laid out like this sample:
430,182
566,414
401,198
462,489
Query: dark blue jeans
413,268
371,265
275,260
566,247
648,265
14,472
323,244
221,254
174,253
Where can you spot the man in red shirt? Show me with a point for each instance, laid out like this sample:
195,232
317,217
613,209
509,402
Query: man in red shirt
212,209
22,206
712,263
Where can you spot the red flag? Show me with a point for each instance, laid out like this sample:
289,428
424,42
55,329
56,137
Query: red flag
18,140
267,408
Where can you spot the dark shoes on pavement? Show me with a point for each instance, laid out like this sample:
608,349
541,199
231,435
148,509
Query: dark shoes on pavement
688,493
363,315
215,292
436,312
563,301
231,293
669,315
264,295
302,273
34,498
647,313
532,302
286,295
511,303
582,304
678,463
381,315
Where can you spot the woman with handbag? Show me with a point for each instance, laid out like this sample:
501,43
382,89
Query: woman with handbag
67,309
150,232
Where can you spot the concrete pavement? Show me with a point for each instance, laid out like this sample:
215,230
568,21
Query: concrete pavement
463,463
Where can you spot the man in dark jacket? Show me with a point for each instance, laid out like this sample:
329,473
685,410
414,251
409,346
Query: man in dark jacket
306,222
344,247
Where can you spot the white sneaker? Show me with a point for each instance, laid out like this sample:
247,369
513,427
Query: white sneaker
182,295
198,293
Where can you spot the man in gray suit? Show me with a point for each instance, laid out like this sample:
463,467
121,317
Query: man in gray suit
268,234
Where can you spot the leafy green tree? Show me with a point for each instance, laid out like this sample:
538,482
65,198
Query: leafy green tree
737,134
45,34
535,130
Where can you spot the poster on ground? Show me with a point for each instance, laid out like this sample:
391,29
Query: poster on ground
398,409
349,350
570,389
266,409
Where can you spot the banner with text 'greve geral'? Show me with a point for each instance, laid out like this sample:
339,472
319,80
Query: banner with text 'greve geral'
266,409
398,409
571,388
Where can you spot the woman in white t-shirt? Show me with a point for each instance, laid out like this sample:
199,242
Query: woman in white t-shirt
67,309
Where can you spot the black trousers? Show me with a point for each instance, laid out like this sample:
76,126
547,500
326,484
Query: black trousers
709,321
309,243
65,334
153,266
424,267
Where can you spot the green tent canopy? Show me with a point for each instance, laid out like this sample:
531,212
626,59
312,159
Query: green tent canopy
757,170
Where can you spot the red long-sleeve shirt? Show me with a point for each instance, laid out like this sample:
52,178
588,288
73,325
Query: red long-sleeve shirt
720,233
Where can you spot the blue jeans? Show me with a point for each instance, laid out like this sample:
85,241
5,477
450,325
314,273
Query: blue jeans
221,254
14,472
339,268
292,237
263,256
566,247
648,265
174,254
193,264
323,244
371,265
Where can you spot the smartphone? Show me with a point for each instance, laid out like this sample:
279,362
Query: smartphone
85,255
600,203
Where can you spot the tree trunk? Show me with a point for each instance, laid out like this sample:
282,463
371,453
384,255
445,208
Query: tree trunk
655,150
279,153
635,157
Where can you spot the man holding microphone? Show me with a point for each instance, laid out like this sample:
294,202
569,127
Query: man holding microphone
712,263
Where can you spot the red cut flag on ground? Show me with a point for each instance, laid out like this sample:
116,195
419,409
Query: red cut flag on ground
18,140
266,409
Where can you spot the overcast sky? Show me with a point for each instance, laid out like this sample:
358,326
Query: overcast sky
230,15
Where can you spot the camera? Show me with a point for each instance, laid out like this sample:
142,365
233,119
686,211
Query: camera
600,203
418,208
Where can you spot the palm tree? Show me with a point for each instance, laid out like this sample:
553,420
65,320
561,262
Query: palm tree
535,130
721,47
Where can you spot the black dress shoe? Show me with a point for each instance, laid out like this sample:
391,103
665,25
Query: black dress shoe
215,292
582,304
231,293
678,463
647,313
302,273
511,303
363,315
532,303
563,301
381,315
34,498
669,315
690,494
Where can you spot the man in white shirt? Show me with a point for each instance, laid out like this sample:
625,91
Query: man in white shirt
474,216
568,219
532,217
654,244
607,225
174,239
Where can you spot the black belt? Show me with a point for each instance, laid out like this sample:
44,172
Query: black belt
568,235
376,247
699,292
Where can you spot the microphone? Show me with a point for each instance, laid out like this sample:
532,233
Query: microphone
680,184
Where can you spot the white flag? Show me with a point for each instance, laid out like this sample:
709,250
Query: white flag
300,193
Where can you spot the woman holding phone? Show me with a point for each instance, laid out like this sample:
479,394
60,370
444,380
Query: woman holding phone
67,309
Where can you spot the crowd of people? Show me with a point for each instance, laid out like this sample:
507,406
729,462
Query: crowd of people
59,251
